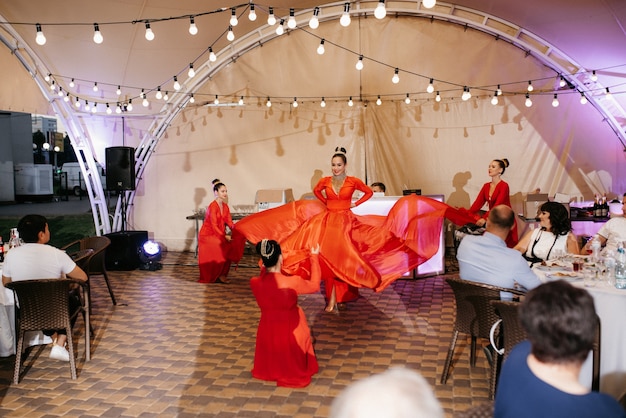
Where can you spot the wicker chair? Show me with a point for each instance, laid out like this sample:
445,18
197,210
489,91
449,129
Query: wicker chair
474,315
95,265
484,410
44,304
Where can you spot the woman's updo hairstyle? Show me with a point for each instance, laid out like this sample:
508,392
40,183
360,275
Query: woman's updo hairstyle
217,184
269,250
503,163
341,153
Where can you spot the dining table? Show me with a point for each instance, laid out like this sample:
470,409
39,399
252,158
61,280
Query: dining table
610,305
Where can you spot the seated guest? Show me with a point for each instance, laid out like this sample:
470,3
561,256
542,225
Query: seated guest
378,187
540,376
554,235
486,258
37,260
396,393
611,233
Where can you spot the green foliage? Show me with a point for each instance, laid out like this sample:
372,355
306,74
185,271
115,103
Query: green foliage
63,229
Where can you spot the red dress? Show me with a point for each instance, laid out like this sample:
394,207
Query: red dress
215,254
284,350
363,251
500,196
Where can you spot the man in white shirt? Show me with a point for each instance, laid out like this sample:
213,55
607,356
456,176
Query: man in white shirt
37,260
611,233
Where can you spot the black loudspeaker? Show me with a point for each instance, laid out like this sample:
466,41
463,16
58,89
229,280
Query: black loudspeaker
120,167
122,253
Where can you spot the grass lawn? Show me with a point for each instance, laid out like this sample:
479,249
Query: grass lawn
63,229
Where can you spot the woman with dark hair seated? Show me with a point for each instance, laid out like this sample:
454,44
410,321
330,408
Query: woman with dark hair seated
553,237
540,377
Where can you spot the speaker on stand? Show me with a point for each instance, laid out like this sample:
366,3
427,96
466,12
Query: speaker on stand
120,173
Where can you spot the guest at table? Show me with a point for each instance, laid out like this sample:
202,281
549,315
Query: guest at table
215,250
540,377
553,237
37,260
378,187
486,258
611,233
284,350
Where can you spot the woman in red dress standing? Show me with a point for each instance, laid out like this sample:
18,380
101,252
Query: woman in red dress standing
494,193
214,248
284,349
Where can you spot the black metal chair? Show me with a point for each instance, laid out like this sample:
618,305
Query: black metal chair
44,304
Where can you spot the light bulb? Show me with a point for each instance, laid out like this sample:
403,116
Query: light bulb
158,94
608,94
166,97
408,99
528,102
320,48
291,22
193,29
129,107
212,56
145,102
555,101
230,35
429,4
95,86
241,101
314,22
118,108
494,99
350,102
72,83
562,82
97,36
60,91
345,17
47,77
268,103
119,90
94,107
378,101
57,148
594,76
295,102
192,99
46,146
396,78
530,86
380,12
191,71
53,86
252,14
87,108
176,84
77,103
438,97
149,33
583,99
40,37
430,87
280,29
66,98
271,19
323,103
217,100
499,90
359,63
466,94
109,110
233,17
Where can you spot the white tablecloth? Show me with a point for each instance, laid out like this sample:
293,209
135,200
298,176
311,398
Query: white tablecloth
610,304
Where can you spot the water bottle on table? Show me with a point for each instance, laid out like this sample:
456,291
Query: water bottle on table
620,267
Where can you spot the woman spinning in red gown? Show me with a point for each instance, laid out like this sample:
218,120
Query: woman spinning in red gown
284,350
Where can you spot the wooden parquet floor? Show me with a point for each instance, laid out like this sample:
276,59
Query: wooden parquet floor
173,347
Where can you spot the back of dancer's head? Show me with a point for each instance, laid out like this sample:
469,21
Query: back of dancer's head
269,250
397,393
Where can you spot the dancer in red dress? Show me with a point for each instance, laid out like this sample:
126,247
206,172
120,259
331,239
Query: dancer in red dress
215,250
284,350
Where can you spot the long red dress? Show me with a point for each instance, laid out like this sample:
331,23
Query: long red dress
284,350
364,251
214,251
500,196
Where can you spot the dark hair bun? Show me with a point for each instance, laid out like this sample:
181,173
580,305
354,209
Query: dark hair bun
506,162
215,181
341,150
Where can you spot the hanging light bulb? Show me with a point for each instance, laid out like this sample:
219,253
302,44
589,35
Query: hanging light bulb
268,103
129,107
430,87
47,77
594,76
466,94
233,17
378,101
271,19
66,98
40,38
530,86
95,86
295,102
555,101
192,99
158,94
407,100
494,99
166,97
320,48
280,29
119,90
193,29
499,90
350,102
583,99
359,63
314,22
94,107
109,110
396,78
145,102
60,91
291,22
323,103
149,33
241,101
608,94
87,108
252,14
176,84
230,35
53,86
438,97
345,17
77,103
118,108
72,83
97,36
528,102
191,73
212,56
380,12
429,4
217,100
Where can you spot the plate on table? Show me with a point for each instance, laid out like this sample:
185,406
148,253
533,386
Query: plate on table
550,266
570,276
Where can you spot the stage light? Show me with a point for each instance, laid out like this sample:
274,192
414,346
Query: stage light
150,256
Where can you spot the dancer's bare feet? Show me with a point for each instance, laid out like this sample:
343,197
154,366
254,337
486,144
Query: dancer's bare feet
222,280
